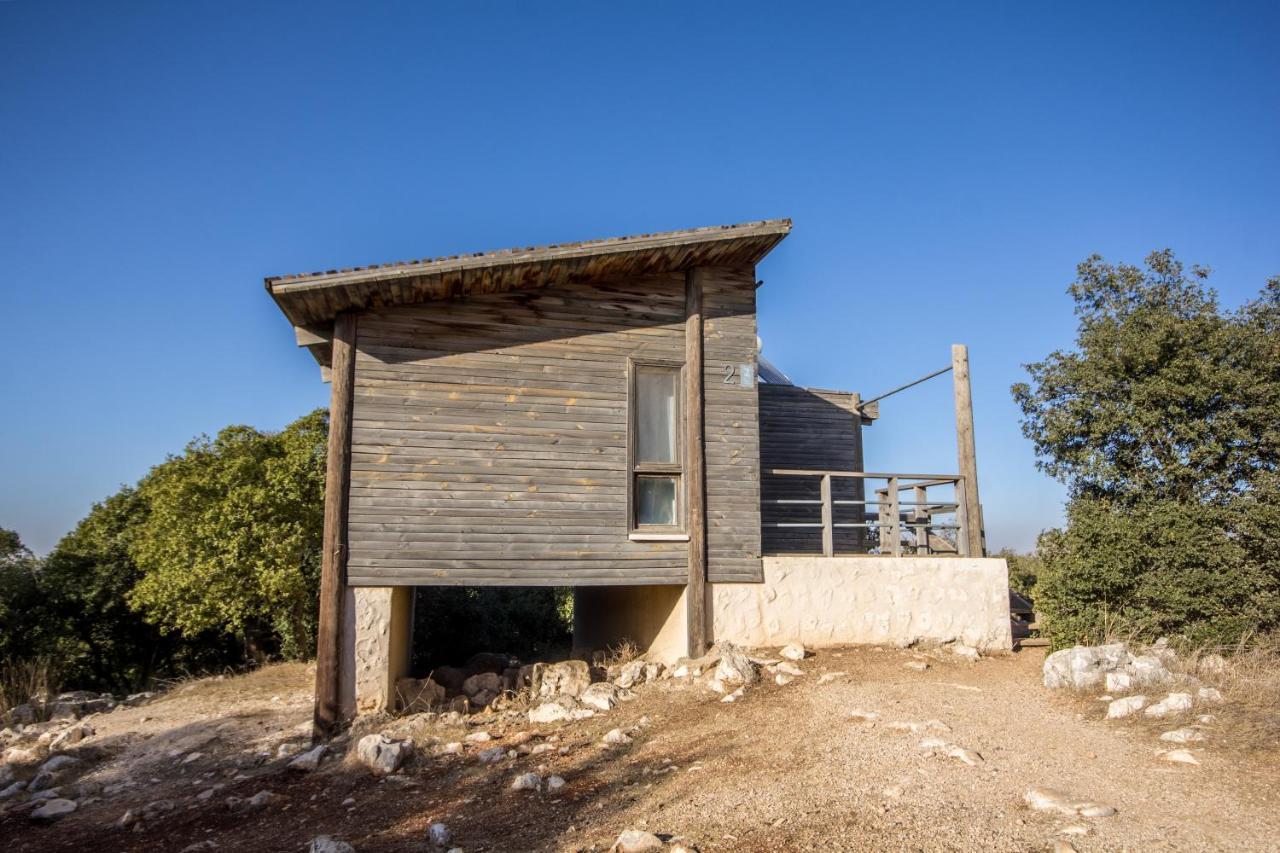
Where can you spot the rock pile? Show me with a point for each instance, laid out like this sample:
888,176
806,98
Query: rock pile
1088,667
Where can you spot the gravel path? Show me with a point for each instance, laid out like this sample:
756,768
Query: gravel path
784,768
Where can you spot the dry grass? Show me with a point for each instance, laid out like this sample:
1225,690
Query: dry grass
624,652
22,679
263,682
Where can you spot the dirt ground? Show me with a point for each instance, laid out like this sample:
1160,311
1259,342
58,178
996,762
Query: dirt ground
784,768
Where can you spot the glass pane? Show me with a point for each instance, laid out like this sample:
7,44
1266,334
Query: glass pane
655,501
656,414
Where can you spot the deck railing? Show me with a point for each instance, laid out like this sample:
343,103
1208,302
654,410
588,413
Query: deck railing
890,520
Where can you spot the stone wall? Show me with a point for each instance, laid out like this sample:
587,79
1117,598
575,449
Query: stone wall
377,643
842,600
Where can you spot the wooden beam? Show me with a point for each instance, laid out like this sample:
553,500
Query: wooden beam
333,565
307,336
695,464
966,454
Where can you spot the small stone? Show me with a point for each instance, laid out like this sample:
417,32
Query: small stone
581,714
1048,799
860,716
782,679
716,685
967,756
327,844
1063,846
58,763
381,754
637,841
549,712
309,760
1211,695
439,835
788,668
828,677
1213,664
53,809
968,653
735,667
1074,829
1182,736
479,737
616,737
734,696
1126,706
554,783
792,651
527,782
492,755
12,791
454,748
917,665
1180,756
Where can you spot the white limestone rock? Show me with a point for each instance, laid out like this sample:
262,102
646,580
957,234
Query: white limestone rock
566,678
616,737
602,696
735,667
788,668
1126,706
54,809
968,653
527,782
1083,667
438,835
478,737
637,841
328,844
549,712
309,760
1210,695
1147,671
554,784
1050,799
917,665
828,677
1184,735
381,754
793,651
734,696
1119,682
782,679
1181,756
1174,703
1212,664
630,674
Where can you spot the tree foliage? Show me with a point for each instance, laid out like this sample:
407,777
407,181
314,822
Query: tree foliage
1164,423
232,538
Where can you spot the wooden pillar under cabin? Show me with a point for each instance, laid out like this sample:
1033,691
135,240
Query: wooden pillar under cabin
859,484
695,464
333,564
966,453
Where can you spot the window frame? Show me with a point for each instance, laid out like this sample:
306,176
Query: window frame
678,532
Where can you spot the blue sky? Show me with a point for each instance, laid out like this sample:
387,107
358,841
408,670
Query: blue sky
946,166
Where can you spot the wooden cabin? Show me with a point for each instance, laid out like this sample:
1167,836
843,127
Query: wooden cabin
588,415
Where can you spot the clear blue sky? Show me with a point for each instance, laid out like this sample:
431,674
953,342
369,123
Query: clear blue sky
946,166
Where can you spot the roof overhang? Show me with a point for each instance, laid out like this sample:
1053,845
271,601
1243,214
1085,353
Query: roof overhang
312,300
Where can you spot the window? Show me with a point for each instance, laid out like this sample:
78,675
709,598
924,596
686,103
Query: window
656,458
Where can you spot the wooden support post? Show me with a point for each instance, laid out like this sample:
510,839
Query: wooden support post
333,564
695,464
921,516
828,532
895,515
860,544
966,452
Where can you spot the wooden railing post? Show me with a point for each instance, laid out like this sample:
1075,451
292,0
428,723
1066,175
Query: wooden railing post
896,516
921,514
828,532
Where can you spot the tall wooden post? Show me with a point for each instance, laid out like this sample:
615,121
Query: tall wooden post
695,464
333,565
966,453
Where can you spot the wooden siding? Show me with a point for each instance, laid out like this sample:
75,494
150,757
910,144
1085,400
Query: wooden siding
809,429
731,427
490,435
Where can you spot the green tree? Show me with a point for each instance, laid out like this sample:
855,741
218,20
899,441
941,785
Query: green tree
20,598
232,537
1164,423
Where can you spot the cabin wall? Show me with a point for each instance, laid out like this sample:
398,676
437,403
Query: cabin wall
489,441
803,428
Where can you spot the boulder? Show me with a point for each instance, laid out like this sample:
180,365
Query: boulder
53,809
602,696
735,667
13,790
327,844
381,754
415,695
489,683
566,678
630,674
616,737
1083,667
1147,670
22,715
1211,695
1119,682
637,841
558,709
449,677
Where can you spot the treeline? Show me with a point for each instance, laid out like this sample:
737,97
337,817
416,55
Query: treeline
211,560
1164,422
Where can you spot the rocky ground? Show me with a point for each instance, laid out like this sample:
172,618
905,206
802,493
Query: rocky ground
866,749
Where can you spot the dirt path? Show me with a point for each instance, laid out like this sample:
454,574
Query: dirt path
785,768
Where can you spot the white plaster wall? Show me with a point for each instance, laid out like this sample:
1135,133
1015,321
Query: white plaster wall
826,601
376,645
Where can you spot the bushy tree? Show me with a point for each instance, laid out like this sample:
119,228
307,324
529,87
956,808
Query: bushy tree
20,599
1164,423
232,538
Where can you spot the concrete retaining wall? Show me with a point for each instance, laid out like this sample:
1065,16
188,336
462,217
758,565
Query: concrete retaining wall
838,600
